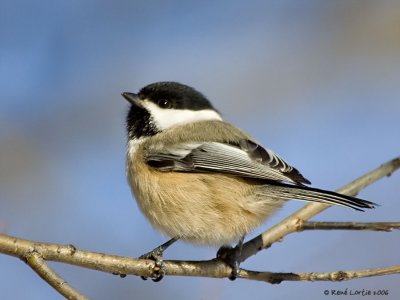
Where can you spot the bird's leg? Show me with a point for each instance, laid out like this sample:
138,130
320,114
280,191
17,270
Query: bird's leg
231,256
237,256
157,255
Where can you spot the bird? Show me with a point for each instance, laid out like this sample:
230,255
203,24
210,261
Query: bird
202,180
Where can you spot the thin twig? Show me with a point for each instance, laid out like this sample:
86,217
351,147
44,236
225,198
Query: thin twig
290,224
318,276
373,226
52,278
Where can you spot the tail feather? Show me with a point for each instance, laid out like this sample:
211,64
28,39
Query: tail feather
287,191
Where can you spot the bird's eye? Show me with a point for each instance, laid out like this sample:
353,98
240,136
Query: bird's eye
164,103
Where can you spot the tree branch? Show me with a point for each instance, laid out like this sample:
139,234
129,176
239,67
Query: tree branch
318,276
374,226
35,253
143,267
47,274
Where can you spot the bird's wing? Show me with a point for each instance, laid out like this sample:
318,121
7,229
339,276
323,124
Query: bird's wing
243,159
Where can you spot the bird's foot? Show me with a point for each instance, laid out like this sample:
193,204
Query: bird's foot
159,267
231,257
157,255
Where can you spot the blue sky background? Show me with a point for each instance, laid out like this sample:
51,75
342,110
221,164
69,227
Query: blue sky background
316,81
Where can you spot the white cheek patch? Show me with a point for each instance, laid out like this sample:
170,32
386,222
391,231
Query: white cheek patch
167,118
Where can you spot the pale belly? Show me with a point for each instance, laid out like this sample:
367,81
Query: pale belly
202,209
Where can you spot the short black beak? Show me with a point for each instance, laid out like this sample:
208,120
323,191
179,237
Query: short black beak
132,98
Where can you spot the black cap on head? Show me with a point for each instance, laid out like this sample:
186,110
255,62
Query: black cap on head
169,94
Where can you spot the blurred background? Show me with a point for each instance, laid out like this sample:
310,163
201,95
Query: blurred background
315,81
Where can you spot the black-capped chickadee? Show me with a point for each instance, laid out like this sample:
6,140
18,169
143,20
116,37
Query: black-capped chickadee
201,180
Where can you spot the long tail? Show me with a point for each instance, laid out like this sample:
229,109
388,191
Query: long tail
287,191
